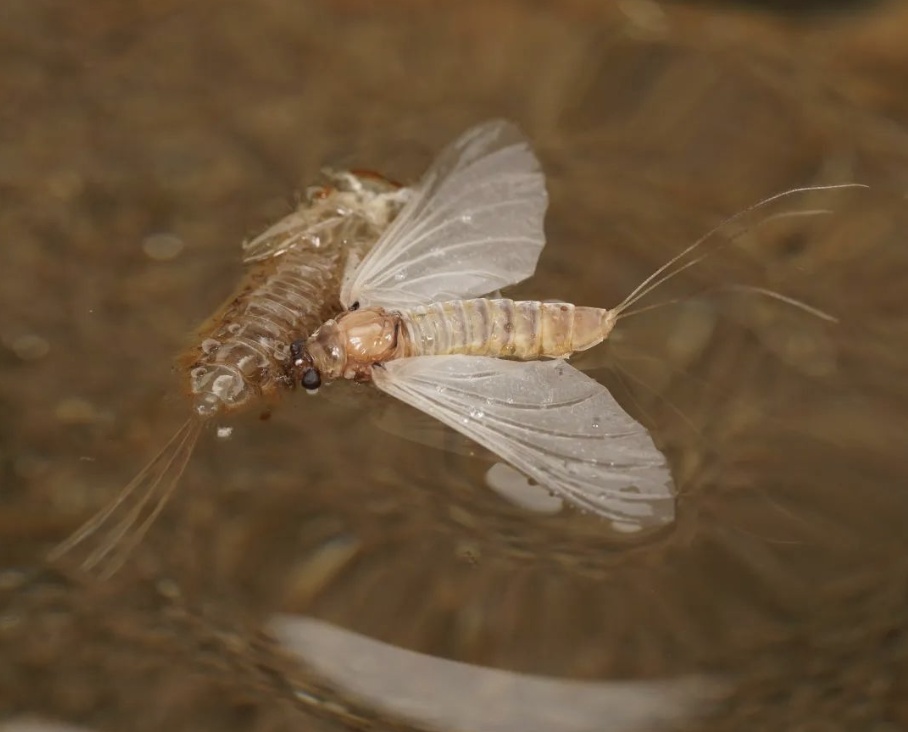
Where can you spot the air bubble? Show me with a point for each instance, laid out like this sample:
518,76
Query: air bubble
75,410
162,246
30,347
627,527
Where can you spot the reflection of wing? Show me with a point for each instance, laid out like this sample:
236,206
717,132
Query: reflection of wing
514,486
473,225
552,422
400,420
428,692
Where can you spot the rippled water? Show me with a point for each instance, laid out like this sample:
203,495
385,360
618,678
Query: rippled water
141,144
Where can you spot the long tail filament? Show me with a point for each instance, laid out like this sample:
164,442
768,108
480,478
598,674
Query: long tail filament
665,272
121,525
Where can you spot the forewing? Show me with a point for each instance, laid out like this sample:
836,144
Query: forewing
555,424
474,224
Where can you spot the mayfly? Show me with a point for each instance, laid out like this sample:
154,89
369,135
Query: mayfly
414,323
241,356
416,263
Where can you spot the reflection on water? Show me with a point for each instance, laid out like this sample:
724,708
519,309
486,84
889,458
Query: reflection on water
195,122
445,695
520,490
38,724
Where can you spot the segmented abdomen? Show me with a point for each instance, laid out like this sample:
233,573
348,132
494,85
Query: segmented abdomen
291,287
502,328
244,353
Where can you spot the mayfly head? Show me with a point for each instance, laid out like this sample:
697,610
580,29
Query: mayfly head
320,358
302,368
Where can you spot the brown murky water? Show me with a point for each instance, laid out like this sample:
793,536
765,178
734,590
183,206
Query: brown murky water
128,125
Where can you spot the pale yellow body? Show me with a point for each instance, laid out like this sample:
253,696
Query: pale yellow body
351,345
521,330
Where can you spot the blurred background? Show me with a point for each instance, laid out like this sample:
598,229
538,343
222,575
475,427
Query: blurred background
142,142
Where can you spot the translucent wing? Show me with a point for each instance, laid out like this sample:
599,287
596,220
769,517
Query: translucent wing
291,231
555,424
474,224
345,199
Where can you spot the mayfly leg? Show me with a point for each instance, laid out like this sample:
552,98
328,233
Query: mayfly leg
152,486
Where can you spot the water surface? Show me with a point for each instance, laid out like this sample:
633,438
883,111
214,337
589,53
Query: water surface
785,574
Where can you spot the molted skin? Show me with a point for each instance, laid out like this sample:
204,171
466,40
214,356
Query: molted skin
243,354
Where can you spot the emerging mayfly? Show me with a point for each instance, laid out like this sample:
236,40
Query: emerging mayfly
242,353
415,261
414,326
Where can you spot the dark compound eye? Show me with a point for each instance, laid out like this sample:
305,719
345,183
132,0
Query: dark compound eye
296,351
311,379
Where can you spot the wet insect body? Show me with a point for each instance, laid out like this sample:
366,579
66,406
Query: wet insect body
494,369
349,346
409,316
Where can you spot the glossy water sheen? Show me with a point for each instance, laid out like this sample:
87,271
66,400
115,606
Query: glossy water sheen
783,576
